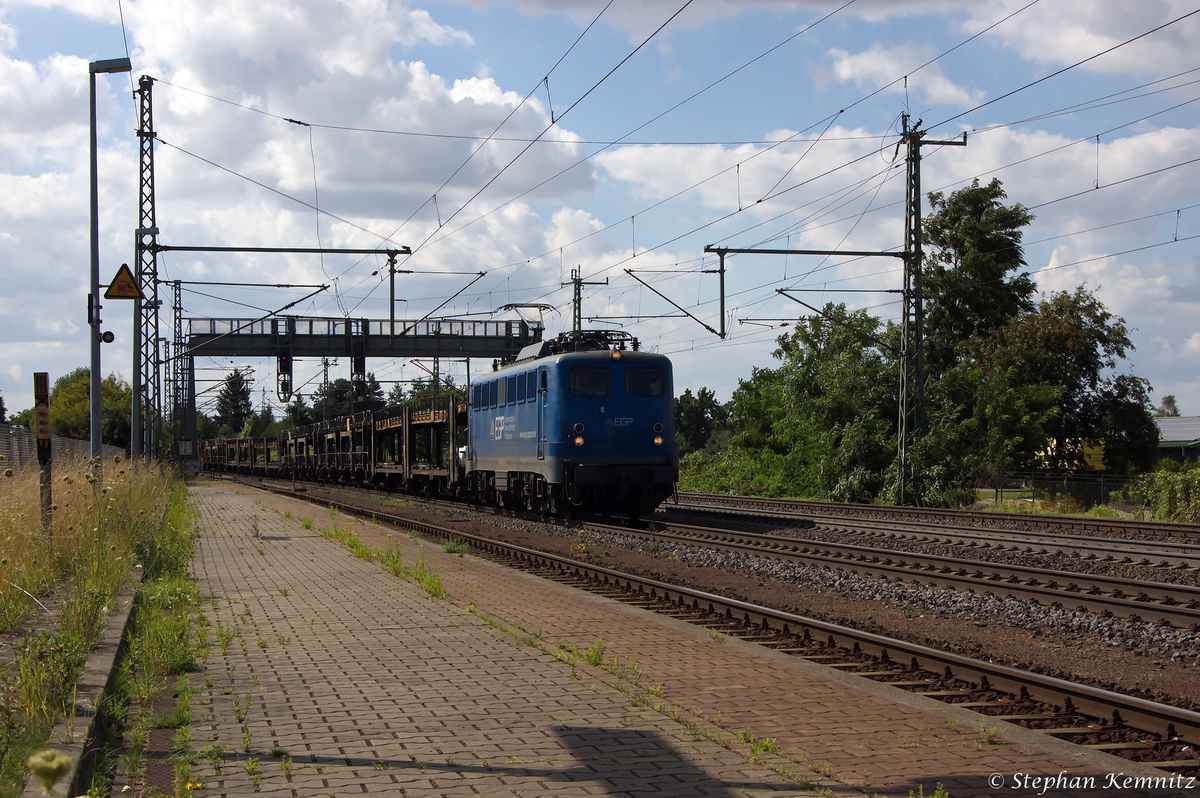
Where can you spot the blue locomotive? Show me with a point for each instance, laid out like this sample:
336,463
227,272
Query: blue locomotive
582,423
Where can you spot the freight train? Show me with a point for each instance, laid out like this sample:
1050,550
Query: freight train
583,423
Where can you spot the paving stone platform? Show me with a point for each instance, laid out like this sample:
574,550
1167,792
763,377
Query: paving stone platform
328,675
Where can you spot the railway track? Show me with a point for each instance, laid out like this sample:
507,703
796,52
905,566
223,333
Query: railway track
799,508
1153,553
1153,602
1127,726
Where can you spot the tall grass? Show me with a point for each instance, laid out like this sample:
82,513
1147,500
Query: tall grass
99,530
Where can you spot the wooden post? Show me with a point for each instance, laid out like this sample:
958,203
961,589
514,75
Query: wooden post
41,426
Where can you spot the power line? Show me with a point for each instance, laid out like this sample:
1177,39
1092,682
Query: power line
1066,69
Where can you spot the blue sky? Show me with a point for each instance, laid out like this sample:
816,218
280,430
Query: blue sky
650,202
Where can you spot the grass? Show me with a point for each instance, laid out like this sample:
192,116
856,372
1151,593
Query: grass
99,530
344,534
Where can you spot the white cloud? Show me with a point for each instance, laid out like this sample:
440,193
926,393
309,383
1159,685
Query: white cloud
1067,31
881,64
642,18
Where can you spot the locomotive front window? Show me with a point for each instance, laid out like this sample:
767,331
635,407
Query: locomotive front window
644,381
593,382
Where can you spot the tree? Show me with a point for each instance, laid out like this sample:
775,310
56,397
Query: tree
298,414
697,418
1168,408
2,411
233,403
342,397
395,397
1071,341
258,423
974,245
70,407
822,424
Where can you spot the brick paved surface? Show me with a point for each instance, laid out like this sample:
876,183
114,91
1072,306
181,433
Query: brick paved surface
370,685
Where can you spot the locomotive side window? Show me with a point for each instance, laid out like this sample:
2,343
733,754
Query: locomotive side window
531,387
521,388
644,381
593,382
492,394
511,390
503,385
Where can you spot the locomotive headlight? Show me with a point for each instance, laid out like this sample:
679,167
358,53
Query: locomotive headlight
616,355
579,440
658,427
579,428
658,440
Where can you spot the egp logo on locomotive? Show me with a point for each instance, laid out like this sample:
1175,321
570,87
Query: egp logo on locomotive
1040,784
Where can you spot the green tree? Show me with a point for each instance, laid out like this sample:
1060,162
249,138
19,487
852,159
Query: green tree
395,397
298,413
820,425
207,428
233,403
70,407
1072,342
257,424
973,248
3,419
697,418
1168,408
341,397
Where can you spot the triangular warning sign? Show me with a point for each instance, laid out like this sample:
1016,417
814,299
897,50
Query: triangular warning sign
123,285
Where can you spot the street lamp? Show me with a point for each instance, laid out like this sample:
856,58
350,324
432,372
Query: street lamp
111,65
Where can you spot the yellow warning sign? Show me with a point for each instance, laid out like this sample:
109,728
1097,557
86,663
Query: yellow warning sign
123,286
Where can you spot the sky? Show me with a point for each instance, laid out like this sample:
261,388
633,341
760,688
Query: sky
528,138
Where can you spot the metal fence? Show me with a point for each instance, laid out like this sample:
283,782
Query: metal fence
19,447
1088,488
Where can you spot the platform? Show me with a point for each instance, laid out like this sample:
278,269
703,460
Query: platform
370,685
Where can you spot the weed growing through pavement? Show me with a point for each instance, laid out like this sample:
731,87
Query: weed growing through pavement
988,735
455,546
429,580
391,557
215,754
938,792
241,708
594,654
247,738
252,771
307,523
344,534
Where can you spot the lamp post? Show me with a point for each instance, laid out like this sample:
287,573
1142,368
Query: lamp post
94,68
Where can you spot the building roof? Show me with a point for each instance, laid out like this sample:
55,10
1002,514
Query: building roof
1178,430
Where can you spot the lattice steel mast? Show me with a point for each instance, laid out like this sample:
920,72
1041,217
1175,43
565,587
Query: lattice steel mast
146,432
